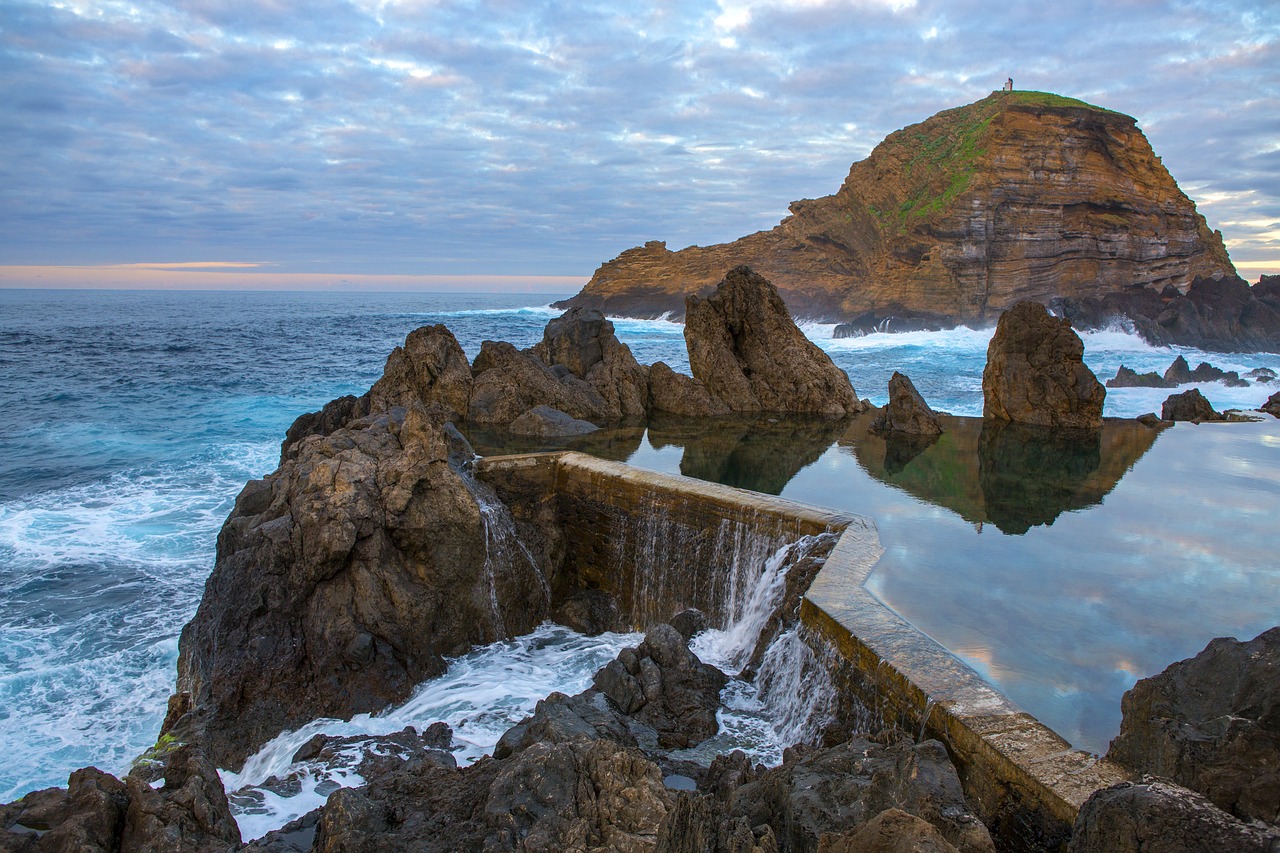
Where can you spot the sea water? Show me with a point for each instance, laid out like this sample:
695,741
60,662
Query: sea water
132,419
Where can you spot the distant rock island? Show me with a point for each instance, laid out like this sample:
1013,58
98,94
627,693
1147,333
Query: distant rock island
1021,195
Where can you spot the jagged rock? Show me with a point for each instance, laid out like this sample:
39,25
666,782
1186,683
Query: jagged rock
342,580
1261,375
664,685
681,395
88,815
1128,378
1036,374
405,745
1272,406
699,824
1156,817
563,719
816,791
547,422
906,412
690,623
589,611
891,831
509,383
430,368
1212,724
745,348
335,414
1190,405
583,341
296,836
1180,373
1022,195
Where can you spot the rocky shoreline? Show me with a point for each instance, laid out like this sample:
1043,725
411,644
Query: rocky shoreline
374,553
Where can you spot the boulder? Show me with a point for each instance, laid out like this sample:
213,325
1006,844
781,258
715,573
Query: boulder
1261,375
430,368
891,831
1180,373
509,382
546,422
583,341
664,685
906,412
1190,405
745,348
590,612
699,824
558,718
88,815
681,395
1128,378
344,578
1156,817
333,416
1036,374
1211,723
1272,406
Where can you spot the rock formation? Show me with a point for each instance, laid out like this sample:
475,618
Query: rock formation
906,412
1036,374
747,351
1211,723
1128,378
546,422
1180,373
583,341
683,395
343,579
1022,195
1190,405
1272,406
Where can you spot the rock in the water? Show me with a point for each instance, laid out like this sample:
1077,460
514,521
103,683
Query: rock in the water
690,623
681,395
664,685
1272,406
891,831
745,348
343,579
583,341
1128,378
1156,817
1036,374
1212,724
559,718
590,612
1180,373
1261,375
906,412
1190,405
546,422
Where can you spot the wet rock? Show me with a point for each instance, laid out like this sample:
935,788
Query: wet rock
583,341
664,685
547,422
296,836
1157,817
373,750
907,412
1272,406
1212,724
1149,419
690,623
1261,375
88,815
834,790
509,382
1180,373
891,831
365,568
559,718
590,612
745,348
1128,378
681,395
698,824
1036,374
1190,405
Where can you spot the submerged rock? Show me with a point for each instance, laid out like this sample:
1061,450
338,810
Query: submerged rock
907,412
1036,374
747,351
1128,378
1212,724
1190,405
547,422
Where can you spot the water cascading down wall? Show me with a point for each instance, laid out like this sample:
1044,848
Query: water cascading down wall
660,543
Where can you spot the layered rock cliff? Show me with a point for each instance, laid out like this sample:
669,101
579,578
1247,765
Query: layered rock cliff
1022,195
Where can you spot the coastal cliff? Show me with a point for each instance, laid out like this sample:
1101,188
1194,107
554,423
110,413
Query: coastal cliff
1021,195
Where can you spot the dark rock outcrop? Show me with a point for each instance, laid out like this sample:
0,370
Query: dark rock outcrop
1272,406
546,422
590,612
891,831
1261,375
583,341
1180,373
1212,724
1128,378
1190,405
509,382
678,394
342,580
747,351
1156,817
907,412
430,368
1036,374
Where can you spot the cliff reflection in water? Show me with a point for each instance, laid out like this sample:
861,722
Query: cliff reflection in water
1013,476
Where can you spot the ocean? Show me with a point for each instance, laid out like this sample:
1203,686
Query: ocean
132,419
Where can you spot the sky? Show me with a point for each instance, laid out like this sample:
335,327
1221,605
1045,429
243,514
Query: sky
433,144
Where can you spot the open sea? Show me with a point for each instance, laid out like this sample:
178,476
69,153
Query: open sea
131,420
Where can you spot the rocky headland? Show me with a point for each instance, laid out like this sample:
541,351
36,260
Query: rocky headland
1022,195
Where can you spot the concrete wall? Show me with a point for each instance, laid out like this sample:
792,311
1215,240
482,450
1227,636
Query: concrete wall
661,543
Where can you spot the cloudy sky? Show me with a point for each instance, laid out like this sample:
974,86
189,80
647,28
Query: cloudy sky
418,141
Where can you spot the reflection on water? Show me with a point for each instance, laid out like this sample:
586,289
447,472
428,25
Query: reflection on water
1062,568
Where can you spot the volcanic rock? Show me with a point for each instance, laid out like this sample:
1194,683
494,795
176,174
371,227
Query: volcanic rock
1036,374
745,348
583,341
1190,405
589,611
1022,195
1261,375
906,412
547,422
1212,724
1179,373
509,382
891,831
343,579
681,395
1156,817
1128,378
1272,406
586,716
430,368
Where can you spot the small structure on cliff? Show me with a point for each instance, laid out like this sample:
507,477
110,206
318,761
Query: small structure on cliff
1008,85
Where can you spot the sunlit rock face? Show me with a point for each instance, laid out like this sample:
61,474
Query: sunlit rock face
1022,195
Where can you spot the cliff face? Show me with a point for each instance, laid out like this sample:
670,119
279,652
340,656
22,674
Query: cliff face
1022,195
